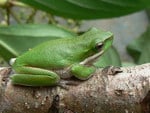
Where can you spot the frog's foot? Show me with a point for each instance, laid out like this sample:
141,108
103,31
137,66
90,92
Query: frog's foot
111,70
66,83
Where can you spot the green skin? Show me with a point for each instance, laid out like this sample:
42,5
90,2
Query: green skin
48,62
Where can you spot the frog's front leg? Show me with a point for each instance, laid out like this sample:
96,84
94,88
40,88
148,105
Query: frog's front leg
82,72
33,76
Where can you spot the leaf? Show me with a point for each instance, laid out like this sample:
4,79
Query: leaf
128,64
135,48
139,49
110,57
17,39
89,9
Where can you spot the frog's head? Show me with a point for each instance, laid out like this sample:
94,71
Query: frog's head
97,42
100,40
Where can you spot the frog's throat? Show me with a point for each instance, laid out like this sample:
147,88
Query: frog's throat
91,58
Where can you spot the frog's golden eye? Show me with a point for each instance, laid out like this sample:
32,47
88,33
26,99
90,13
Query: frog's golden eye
99,46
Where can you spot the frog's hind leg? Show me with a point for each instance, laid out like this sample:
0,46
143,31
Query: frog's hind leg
31,76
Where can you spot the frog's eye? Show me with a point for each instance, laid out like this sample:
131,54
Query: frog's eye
99,46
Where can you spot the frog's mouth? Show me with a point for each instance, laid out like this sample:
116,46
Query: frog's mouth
92,58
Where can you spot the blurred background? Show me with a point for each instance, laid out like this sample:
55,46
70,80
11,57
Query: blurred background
25,24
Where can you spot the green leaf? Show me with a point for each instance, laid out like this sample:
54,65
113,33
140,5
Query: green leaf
128,64
89,9
17,39
110,57
135,48
139,49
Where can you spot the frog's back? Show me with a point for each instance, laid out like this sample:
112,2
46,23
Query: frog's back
52,54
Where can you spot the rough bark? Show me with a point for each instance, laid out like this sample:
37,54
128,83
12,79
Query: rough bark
125,92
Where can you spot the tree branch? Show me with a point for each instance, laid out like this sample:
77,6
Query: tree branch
125,92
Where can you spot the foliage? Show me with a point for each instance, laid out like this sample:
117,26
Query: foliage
110,57
139,49
89,9
17,39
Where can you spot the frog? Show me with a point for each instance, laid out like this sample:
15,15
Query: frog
52,61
